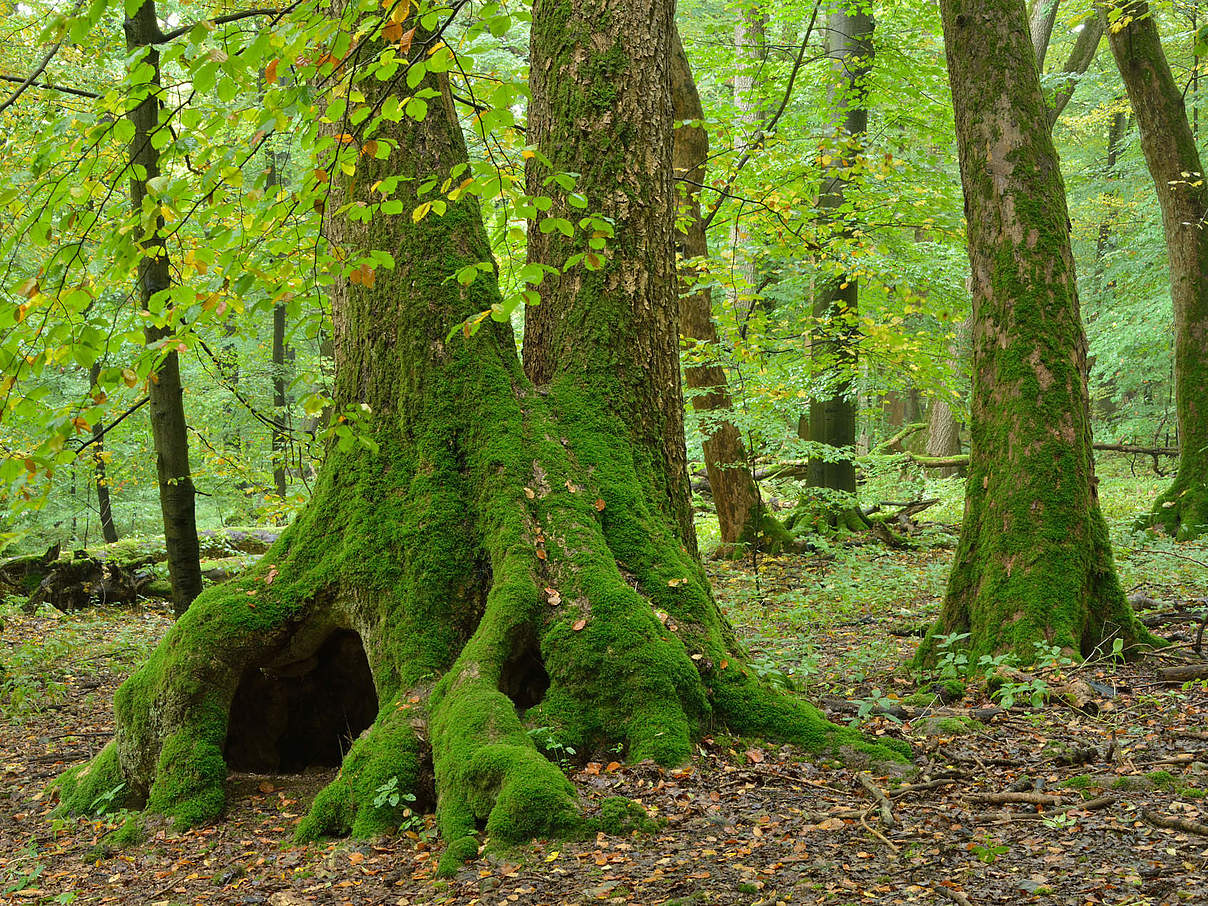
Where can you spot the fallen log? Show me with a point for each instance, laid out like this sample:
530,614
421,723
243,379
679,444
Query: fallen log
1184,673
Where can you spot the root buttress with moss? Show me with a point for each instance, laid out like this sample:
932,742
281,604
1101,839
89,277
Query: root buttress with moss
493,549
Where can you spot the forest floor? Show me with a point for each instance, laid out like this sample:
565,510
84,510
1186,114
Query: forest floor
1051,804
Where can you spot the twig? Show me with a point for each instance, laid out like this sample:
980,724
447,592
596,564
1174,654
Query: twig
1024,798
919,787
40,68
882,800
954,895
880,836
1179,824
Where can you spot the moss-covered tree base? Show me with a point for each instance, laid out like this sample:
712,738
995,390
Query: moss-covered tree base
494,586
763,533
1182,511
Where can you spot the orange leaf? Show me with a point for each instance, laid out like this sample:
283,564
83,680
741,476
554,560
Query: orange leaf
613,766
541,554
266,787
392,31
356,858
579,624
404,43
592,767
270,72
600,504
369,148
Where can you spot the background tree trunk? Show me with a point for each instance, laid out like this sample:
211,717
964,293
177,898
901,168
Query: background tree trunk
1178,176
168,427
1079,61
833,344
104,505
740,513
1034,561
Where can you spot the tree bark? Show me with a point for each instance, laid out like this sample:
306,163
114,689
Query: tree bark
740,513
943,427
168,426
104,505
1034,562
1174,164
491,558
833,344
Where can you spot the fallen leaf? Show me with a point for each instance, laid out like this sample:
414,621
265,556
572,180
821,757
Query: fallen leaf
578,625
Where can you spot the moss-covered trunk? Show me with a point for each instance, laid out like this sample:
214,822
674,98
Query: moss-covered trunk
1178,176
741,516
500,553
601,107
835,338
1034,561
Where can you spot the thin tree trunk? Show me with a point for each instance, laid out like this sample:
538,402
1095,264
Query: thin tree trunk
279,438
943,427
104,506
168,427
1079,61
740,513
833,343
1178,176
750,57
1034,562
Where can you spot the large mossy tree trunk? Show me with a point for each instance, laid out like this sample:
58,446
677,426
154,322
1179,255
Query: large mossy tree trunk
742,518
835,337
1178,176
1034,561
509,557
169,429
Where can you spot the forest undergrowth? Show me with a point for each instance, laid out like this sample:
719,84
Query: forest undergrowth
1069,784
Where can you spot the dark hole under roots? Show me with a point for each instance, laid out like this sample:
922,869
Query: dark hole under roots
523,678
306,714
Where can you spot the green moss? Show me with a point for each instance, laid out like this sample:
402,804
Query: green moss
95,786
127,834
1081,782
765,533
1163,780
621,816
950,726
190,779
1131,782
384,760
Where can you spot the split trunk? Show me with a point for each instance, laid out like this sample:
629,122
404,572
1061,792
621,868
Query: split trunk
495,556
